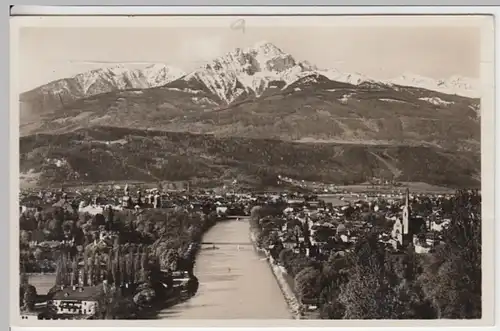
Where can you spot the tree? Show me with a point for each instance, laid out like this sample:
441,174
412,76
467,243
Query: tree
373,289
85,268
144,267
363,296
67,228
255,216
129,268
324,233
109,267
452,277
308,283
99,220
74,272
334,275
170,259
116,273
28,297
97,268
122,269
54,229
330,307
131,262
285,257
27,223
299,263
192,285
38,254
62,270
109,218
91,271
268,238
137,266
119,306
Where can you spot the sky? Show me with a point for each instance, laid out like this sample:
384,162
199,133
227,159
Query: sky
382,52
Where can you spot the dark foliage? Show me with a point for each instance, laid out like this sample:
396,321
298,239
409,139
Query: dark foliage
175,156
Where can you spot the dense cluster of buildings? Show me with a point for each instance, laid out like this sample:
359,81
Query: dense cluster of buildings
316,226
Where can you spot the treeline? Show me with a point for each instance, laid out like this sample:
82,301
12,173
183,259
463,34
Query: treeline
157,231
370,282
122,264
249,158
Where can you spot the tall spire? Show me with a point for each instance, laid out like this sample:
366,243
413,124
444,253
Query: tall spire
406,211
407,198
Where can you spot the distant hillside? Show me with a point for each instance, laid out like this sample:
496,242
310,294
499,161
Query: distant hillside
313,108
60,93
114,154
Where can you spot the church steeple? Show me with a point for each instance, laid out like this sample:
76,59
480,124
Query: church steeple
406,212
401,231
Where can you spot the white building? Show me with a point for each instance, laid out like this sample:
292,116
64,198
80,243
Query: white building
76,300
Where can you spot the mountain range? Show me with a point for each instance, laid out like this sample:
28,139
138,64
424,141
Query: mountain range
57,94
264,93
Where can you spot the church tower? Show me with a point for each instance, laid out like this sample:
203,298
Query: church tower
401,230
406,212
407,231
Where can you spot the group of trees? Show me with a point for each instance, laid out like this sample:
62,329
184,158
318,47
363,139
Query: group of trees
452,275
370,282
121,264
155,237
27,293
174,228
136,249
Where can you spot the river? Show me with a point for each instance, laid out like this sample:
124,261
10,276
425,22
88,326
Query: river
235,283
42,282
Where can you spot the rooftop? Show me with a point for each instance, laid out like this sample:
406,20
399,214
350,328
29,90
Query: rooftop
78,293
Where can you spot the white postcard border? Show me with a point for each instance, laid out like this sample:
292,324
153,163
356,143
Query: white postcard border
487,151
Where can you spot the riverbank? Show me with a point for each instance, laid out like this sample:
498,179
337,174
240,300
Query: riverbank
279,274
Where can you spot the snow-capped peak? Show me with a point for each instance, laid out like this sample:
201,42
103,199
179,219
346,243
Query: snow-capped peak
351,78
161,74
266,48
306,65
103,80
244,71
459,85
250,70
119,77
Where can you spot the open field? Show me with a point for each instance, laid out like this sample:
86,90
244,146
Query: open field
415,187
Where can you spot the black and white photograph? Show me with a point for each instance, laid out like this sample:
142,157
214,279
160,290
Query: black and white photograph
252,169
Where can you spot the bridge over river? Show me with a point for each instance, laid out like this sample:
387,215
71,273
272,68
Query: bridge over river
219,243
235,281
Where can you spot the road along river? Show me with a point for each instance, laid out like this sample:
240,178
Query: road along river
235,282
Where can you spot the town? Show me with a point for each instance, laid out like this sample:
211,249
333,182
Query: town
127,251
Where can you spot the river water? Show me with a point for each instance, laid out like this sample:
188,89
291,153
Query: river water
42,282
235,282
